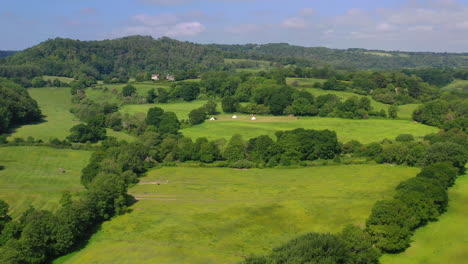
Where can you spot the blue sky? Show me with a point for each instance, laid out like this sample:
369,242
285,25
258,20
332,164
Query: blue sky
411,25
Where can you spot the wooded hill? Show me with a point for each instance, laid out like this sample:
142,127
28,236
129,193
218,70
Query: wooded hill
131,55
349,58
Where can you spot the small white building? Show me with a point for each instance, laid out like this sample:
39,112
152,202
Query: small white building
234,117
170,77
155,77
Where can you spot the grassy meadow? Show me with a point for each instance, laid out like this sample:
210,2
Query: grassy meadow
182,109
55,104
444,241
32,176
365,131
220,215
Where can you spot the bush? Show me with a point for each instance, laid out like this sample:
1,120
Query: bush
404,138
242,164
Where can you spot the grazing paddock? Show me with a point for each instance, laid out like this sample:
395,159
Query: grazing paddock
219,215
55,104
37,176
365,131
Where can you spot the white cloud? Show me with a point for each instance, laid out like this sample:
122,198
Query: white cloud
162,25
306,11
294,22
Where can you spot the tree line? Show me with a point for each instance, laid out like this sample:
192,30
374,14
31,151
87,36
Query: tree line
392,222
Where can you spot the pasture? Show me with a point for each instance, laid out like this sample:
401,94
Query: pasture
32,176
365,131
444,241
220,215
182,109
55,104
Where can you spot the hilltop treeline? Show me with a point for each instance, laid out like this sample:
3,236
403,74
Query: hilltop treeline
129,56
113,58
16,106
350,58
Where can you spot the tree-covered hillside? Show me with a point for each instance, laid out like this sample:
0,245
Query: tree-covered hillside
350,58
124,56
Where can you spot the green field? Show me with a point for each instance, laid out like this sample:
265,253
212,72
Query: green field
218,215
444,241
182,109
55,104
365,131
457,85
32,176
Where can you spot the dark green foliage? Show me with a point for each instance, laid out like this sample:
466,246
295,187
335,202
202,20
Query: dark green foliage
404,138
235,149
153,118
410,153
83,133
443,172
393,111
169,123
186,90
118,58
163,95
390,225
262,149
420,192
16,106
151,96
4,217
230,104
211,107
352,146
360,246
302,144
312,248
129,90
207,151
197,116
448,112
450,152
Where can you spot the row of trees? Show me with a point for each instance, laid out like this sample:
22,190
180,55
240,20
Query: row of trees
388,229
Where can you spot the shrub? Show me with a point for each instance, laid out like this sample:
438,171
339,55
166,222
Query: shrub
404,138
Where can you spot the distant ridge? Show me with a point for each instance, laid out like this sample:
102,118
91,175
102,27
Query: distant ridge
135,54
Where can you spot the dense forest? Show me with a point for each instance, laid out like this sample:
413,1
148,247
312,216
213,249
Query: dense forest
113,58
350,58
